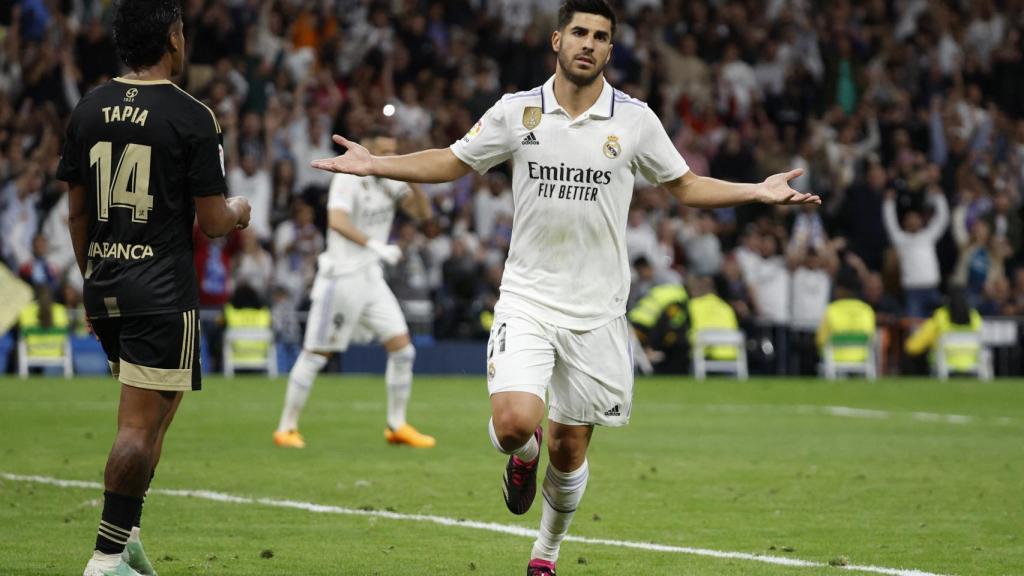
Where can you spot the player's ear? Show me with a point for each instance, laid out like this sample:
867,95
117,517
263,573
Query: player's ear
556,40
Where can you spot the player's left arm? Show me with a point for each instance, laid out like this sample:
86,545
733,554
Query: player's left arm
416,204
78,223
704,192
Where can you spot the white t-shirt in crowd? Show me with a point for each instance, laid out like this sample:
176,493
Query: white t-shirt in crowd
572,182
811,291
370,204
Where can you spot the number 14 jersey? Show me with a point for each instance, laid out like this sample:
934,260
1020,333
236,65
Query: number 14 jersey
142,150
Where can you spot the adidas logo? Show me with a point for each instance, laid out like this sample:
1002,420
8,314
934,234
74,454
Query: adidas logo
613,412
530,140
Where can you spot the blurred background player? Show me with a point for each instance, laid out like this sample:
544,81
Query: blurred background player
560,329
352,300
142,158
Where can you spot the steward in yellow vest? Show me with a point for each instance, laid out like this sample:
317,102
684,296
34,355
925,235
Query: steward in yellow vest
709,312
660,319
44,326
849,323
956,316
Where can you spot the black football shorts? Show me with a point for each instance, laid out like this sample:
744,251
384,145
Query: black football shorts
156,351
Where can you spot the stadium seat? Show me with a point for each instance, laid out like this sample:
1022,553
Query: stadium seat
850,353
962,352
248,341
44,347
703,340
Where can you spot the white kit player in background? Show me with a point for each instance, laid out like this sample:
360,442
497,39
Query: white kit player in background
559,327
352,302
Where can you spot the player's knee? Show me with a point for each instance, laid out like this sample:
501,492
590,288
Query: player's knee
134,445
513,428
404,355
311,362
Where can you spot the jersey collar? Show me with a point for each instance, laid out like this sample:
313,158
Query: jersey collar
141,82
603,108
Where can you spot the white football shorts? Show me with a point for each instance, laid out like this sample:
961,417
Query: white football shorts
587,376
357,307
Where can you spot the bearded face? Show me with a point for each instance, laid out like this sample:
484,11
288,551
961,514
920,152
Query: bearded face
584,47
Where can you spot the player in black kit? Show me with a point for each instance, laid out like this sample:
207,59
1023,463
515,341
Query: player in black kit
142,159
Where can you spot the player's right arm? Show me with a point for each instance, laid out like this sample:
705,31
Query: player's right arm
485,146
430,166
218,215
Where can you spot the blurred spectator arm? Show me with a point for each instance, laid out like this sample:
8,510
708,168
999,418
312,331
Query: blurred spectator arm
892,225
937,133
937,226
960,234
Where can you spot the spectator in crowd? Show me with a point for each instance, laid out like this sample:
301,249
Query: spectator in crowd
915,243
19,219
38,270
253,266
297,243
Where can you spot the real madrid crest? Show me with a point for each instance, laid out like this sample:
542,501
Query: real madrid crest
490,371
612,148
531,117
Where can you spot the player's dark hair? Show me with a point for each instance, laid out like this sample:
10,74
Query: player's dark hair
569,8
141,28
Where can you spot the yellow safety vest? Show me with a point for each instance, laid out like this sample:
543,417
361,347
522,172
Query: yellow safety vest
650,308
709,312
927,336
44,342
851,322
243,349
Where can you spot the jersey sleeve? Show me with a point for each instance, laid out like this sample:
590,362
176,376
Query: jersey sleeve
398,191
342,193
657,158
487,143
69,169
205,173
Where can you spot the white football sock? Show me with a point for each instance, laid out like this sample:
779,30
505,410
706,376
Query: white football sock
100,563
562,494
527,452
398,377
300,381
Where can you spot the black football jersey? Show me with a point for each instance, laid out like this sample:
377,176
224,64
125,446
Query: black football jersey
143,150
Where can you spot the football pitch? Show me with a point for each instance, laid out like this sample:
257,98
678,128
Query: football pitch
787,477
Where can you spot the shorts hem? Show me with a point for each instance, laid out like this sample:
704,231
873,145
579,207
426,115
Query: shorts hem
537,391
556,415
162,379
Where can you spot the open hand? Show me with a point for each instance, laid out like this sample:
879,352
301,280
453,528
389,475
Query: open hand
775,190
356,160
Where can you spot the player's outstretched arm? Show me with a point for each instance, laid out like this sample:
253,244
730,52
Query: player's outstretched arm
704,192
429,166
218,216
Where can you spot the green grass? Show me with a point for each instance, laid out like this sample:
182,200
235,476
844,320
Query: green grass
754,467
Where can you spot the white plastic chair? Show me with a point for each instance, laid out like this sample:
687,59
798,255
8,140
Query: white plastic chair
705,339
249,335
868,367
963,342
26,361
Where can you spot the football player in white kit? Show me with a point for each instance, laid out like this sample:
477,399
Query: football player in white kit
351,299
560,331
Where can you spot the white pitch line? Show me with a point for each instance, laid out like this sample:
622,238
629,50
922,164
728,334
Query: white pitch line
487,526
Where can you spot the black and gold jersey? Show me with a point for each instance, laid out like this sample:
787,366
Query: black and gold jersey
143,150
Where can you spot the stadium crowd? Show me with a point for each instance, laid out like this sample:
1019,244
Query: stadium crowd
906,115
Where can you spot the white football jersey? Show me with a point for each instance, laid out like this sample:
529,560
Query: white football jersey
370,203
572,182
